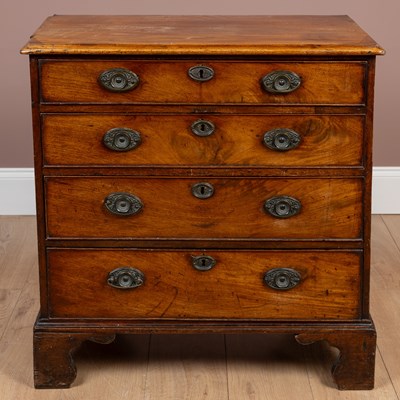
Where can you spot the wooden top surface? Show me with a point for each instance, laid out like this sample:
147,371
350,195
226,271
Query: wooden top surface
207,35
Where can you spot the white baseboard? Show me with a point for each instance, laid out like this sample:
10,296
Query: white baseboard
17,191
386,190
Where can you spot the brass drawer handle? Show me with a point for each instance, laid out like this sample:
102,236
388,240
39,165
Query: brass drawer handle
118,80
282,278
123,204
121,139
202,127
282,206
125,278
203,263
202,190
281,139
280,82
201,73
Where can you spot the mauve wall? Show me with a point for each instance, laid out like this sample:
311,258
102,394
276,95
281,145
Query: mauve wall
19,19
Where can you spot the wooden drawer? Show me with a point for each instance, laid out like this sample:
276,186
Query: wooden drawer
330,208
237,140
329,285
233,82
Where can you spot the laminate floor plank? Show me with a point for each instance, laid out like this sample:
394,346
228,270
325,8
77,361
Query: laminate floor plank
386,307
385,292
266,367
385,261
24,313
8,301
18,250
187,367
392,222
19,327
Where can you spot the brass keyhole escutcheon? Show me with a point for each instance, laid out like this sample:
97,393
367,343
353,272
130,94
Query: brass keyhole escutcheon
202,128
201,73
203,262
203,190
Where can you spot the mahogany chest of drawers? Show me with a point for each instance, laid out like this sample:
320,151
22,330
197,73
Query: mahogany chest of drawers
203,174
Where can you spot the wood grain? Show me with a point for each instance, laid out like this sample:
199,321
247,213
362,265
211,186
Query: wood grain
8,301
331,208
16,377
234,82
56,369
187,367
354,369
335,60
167,140
384,263
16,232
127,357
25,311
234,288
392,223
180,35
18,269
385,283
320,356
268,367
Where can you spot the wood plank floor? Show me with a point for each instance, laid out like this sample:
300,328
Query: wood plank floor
234,367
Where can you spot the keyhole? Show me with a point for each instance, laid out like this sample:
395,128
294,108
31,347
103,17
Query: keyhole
203,263
202,190
201,73
202,127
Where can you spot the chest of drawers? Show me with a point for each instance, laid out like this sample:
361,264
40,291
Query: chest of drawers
203,174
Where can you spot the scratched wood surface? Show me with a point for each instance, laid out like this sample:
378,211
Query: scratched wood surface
268,35
330,208
237,140
235,82
233,288
234,367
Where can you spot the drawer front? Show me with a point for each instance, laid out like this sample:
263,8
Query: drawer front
232,82
171,208
203,140
326,284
